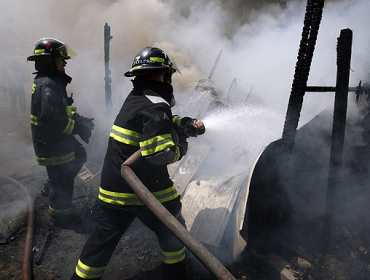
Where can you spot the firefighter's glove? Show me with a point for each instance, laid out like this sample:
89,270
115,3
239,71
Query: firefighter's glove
70,100
194,128
84,127
85,134
183,147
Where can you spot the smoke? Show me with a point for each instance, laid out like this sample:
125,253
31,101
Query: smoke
259,39
237,136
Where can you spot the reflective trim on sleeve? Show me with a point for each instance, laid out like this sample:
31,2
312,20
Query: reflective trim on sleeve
173,257
125,136
156,99
69,127
177,120
52,161
88,272
60,212
35,121
70,111
156,144
117,198
178,154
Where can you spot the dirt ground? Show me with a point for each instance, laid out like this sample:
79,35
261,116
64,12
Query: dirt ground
56,251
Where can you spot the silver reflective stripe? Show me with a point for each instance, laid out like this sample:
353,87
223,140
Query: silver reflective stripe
117,198
35,121
177,120
69,127
156,99
173,257
58,212
87,272
164,196
120,200
156,144
53,161
126,136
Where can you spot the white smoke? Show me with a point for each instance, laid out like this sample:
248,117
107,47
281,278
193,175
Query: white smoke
259,39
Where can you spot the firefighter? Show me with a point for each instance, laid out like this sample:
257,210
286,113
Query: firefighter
54,123
144,122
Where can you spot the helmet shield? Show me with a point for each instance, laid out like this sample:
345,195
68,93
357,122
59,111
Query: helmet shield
51,47
67,52
175,67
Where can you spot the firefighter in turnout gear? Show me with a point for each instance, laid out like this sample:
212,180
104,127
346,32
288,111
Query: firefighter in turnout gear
144,122
54,123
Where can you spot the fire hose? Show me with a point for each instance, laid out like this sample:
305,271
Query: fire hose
27,266
193,245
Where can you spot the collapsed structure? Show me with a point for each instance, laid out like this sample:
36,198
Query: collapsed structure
264,204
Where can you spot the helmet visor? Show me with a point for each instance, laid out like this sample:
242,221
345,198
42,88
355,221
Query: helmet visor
67,52
175,67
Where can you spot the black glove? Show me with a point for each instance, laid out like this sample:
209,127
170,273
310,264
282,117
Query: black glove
194,128
70,100
84,126
84,134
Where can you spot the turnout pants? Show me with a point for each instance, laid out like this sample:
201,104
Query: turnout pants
111,224
61,179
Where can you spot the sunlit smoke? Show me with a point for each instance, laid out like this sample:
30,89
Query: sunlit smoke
237,136
259,39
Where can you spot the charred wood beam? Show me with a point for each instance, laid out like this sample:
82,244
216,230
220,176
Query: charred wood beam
327,89
314,10
107,77
344,51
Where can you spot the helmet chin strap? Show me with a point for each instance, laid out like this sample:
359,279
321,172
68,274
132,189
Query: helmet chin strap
173,101
168,76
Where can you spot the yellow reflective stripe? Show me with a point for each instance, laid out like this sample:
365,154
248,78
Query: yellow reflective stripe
87,272
156,144
136,67
125,136
178,154
33,88
69,127
177,120
166,194
126,131
35,121
157,59
70,111
173,257
52,161
38,51
58,212
117,198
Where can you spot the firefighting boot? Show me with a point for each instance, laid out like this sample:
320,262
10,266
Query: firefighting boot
45,189
69,221
176,271
78,222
